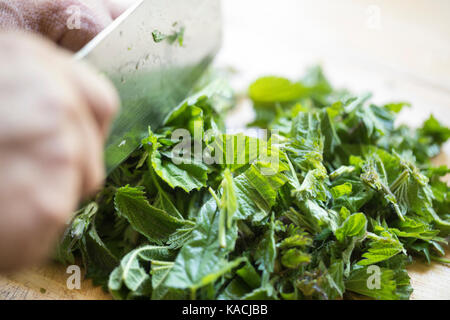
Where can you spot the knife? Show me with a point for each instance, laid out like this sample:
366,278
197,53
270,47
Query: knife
153,53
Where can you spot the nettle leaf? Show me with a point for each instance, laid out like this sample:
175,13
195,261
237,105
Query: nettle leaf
266,251
249,275
328,128
305,148
360,194
432,128
313,186
228,206
132,273
381,248
396,106
375,175
296,240
188,174
237,151
98,257
257,189
188,117
314,216
334,285
202,260
228,203
159,272
377,283
401,277
293,258
156,224
414,228
354,226
275,89
341,190
164,201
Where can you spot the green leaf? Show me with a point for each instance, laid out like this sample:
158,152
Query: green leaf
334,275
432,128
414,228
257,189
293,258
305,148
188,174
275,89
380,249
354,226
156,224
132,273
341,190
202,259
377,283
228,203
266,251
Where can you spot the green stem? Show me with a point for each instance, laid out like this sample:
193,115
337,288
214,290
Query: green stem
439,259
222,228
341,170
222,220
211,191
193,293
399,181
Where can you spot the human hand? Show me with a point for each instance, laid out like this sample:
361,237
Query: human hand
54,117
69,23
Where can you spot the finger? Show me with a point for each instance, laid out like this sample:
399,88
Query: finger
89,103
99,93
96,90
72,23
31,216
91,151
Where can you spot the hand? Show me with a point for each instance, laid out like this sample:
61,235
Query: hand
54,117
70,23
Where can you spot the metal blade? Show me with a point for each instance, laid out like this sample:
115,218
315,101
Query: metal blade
152,77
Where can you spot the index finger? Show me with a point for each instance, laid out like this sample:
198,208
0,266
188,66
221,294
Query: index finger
100,94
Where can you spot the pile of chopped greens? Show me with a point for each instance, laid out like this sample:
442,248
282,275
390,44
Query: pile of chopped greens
349,201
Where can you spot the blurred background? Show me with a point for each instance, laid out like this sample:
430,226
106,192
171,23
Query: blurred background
397,49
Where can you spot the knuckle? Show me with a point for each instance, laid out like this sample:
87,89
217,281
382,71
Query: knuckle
59,151
53,216
57,102
111,103
95,180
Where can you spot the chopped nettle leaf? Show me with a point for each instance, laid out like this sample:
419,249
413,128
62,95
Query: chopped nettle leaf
177,35
332,201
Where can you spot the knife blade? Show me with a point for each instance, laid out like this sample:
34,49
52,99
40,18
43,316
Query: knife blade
152,77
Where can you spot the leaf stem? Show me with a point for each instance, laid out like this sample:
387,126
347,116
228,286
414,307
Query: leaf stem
439,259
222,220
399,181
